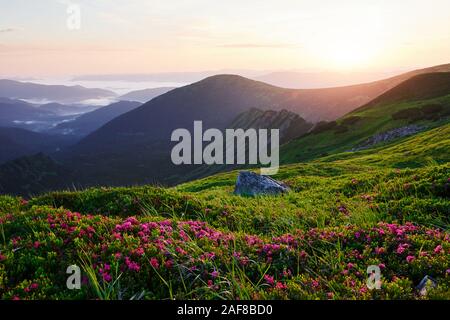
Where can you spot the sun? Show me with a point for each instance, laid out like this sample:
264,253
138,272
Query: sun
347,52
349,39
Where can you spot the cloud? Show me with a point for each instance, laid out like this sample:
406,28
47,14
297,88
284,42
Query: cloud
259,45
5,30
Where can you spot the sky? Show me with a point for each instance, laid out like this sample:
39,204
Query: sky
37,38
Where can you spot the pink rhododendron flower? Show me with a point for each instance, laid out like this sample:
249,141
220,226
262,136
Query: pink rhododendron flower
168,264
280,286
269,279
154,262
107,277
438,249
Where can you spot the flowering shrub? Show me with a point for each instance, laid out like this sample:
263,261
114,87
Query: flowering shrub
122,257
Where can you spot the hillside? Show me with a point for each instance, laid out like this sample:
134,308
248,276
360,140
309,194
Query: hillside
103,157
145,94
16,142
290,126
417,104
91,121
56,93
200,241
17,113
33,174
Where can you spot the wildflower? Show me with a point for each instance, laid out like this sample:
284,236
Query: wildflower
280,286
269,279
401,248
350,265
214,274
410,259
438,249
107,277
330,295
133,266
154,263
379,250
36,244
303,254
382,265
2,257
168,264
139,251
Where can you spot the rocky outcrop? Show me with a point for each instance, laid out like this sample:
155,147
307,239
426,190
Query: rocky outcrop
388,136
252,184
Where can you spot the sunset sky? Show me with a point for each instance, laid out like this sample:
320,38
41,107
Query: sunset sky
141,36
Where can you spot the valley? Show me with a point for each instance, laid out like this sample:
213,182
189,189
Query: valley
369,187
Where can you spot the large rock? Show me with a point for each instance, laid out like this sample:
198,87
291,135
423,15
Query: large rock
252,184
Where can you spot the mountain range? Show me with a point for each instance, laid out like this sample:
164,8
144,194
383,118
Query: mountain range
91,121
145,94
51,93
134,146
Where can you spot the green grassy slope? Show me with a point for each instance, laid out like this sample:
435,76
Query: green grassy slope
198,240
389,111
387,206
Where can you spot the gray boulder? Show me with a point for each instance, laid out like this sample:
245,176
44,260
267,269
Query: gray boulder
252,184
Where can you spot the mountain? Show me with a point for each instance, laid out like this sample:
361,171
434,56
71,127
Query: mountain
136,146
88,122
418,104
16,142
55,93
290,124
319,79
66,110
146,94
17,113
32,175
17,110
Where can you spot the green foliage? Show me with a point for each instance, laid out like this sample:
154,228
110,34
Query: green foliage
388,206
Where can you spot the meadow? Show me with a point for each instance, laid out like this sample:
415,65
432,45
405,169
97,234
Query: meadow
387,207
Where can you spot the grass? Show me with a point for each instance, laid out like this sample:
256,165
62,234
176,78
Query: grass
373,120
387,206
200,241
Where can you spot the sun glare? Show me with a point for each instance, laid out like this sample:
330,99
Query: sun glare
349,39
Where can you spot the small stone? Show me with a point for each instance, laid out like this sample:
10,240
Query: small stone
252,184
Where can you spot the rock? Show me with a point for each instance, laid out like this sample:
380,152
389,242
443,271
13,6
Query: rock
252,184
388,136
426,284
